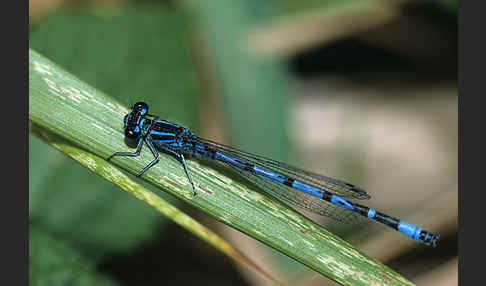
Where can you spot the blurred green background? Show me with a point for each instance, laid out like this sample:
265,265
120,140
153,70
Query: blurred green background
361,90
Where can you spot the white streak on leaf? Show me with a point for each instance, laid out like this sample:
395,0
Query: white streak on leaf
44,69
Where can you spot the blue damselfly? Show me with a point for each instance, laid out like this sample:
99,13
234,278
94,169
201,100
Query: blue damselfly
319,194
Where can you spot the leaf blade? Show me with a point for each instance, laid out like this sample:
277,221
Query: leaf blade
64,105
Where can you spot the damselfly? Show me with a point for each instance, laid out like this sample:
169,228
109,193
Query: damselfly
319,194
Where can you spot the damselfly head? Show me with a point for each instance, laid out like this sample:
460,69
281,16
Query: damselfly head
131,121
133,133
141,108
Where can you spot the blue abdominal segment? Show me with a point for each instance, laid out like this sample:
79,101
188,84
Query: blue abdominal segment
409,229
307,188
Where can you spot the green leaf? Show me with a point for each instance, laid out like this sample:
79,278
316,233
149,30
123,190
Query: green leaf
55,263
112,174
70,108
107,49
81,208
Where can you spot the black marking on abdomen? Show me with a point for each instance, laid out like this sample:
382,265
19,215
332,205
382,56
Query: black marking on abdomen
211,153
248,166
289,181
362,210
386,219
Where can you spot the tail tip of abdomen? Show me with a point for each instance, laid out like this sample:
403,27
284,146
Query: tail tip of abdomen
430,239
418,234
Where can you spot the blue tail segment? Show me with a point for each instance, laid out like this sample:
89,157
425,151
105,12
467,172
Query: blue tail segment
317,193
409,230
417,233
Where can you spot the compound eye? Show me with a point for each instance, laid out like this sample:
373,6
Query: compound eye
141,107
132,133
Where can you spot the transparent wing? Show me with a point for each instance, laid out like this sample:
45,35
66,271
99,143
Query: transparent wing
295,198
291,196
338,187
